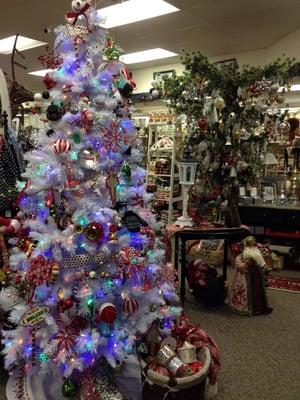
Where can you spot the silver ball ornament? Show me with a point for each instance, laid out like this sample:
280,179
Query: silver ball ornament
284,128
74,109
280,99
219,103
38,97
155,94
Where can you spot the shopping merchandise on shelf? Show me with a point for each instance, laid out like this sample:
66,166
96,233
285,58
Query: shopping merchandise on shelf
164,145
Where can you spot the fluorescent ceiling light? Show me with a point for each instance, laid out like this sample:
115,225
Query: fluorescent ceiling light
41,72
23,43
131,11
294,88
146,55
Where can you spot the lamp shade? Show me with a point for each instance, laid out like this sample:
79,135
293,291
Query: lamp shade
270,159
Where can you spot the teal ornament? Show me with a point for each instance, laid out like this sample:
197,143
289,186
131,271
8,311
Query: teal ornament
126,170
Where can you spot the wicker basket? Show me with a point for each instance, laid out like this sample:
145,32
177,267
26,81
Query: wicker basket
159,387
210,251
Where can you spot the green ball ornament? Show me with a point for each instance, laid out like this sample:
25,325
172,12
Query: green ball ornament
90,303
76,137
70,388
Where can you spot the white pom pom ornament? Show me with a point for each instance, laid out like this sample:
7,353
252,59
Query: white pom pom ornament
38,97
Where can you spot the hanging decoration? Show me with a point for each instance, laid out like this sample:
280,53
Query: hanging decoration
112,182
106,313
61,146
130,261
130,305
114,137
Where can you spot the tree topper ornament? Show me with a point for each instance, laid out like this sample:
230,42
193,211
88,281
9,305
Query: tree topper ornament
79,8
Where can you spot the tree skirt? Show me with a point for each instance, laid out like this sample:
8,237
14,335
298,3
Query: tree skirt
283,283
93,384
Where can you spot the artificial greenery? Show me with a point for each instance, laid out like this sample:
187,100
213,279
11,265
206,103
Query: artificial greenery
234,102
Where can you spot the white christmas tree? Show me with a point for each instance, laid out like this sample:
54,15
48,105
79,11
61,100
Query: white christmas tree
87,274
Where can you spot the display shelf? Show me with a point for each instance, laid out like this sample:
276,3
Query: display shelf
163,175
161,160
174,199
159,123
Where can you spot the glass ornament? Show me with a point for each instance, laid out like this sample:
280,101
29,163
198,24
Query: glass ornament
88,158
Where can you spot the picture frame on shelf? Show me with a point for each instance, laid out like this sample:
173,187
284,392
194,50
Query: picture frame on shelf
227,65
242,191
159,76
269,192
253,191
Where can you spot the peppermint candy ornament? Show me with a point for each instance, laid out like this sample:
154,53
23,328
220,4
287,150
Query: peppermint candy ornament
61,146
130,261
130,306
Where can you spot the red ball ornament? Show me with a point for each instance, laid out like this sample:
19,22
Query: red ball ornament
49,82
196,366
106,313
61,146
202,123
67,304
253,88
112,236
94,232
130,306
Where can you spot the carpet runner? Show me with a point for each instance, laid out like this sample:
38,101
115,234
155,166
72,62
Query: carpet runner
288,284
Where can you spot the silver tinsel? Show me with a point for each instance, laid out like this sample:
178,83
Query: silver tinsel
81,260
103,386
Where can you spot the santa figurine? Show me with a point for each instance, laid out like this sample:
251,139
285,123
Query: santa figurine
247,293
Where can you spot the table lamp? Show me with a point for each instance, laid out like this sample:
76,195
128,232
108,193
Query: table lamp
269,159
187,173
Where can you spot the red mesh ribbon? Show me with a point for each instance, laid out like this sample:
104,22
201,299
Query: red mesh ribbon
50,60
199,338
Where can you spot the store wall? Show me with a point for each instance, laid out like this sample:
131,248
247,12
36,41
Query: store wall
288,45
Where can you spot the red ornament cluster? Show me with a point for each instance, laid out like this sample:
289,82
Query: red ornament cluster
50,59
40,271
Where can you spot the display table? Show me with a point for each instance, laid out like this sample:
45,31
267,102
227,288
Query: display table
280,224
203,232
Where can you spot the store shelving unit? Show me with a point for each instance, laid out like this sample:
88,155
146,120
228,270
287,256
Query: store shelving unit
162,170
142,127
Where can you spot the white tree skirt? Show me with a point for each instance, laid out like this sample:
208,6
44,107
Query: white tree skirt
47,386
36,386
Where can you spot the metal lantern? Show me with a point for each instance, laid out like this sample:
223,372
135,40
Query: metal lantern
187,353
187,173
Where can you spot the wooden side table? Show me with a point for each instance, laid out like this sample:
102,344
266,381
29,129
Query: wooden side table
182,235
